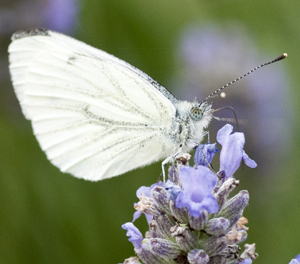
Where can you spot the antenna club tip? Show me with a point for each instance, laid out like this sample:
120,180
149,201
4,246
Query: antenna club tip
281,57
222,95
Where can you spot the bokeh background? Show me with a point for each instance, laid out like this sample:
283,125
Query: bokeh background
192,47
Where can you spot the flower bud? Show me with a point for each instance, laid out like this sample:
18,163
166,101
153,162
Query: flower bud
213,245
162,199
162,247
173,175
151,233
225,190
231,252
218,260
164,224
184,237
146,205
198,256
181,214
198,223
149,257
217,226
233,208
153,228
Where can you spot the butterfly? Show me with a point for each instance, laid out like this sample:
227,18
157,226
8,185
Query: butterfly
94,115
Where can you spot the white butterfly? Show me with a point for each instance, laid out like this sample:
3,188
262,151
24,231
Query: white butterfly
93,114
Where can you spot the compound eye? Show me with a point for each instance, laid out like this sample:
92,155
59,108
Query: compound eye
196,113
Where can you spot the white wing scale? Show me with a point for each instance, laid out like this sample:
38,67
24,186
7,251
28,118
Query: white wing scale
93,114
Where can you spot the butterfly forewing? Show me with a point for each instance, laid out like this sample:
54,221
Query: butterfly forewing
92,113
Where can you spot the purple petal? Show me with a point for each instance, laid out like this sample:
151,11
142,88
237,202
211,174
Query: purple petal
135,236
147,190
136,214
245,261
294,261
197,185
143,190
232,149
149,218
205,153
210,204
249,162
172,189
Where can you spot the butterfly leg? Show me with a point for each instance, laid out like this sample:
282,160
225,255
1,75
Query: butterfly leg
167,160
207,133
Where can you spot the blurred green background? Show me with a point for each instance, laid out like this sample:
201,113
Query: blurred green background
50,217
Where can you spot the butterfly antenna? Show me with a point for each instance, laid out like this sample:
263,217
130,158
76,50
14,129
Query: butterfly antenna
283,56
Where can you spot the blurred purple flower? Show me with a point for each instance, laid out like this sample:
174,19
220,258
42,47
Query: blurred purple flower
232,151
197,185
61,15
56,15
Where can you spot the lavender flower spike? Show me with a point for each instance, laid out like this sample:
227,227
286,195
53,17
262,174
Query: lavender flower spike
197,187
193,218
232,151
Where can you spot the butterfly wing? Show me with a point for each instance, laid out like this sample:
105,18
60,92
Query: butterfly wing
93,114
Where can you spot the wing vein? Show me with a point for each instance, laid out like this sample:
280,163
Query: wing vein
120,151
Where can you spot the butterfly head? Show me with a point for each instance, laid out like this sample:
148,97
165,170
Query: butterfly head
196,113
200,115
200,110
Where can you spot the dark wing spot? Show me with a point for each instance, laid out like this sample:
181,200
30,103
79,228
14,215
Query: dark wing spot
30,32
71,60
180,129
